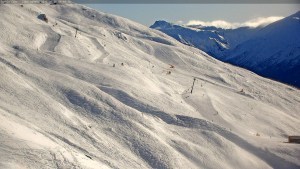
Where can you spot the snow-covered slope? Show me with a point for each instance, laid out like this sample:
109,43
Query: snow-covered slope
274,51
118,96
210,39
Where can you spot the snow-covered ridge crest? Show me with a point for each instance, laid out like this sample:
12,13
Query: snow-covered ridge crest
85,89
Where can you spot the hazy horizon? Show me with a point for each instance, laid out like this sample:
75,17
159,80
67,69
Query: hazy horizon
147,14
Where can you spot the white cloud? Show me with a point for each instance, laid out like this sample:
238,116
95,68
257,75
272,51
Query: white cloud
179,22
228,25
217,23
262,21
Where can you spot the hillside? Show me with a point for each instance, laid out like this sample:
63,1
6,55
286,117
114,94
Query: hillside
118,95
272,51
214,41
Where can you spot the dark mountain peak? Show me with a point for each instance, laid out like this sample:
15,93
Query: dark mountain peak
161,24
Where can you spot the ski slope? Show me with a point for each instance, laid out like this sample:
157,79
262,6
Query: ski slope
118,95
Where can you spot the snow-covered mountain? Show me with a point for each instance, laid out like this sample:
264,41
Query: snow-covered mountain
85,89
272,51
210,39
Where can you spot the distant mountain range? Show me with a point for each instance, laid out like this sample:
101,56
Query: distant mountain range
272,51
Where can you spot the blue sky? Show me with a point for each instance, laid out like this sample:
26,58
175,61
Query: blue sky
147,14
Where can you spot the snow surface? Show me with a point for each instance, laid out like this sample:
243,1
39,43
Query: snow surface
118,96
272,51
210,39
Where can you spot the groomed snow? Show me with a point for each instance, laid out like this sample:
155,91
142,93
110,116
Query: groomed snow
108,98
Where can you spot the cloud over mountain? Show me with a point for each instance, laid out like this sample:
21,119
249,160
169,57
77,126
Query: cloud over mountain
261,21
